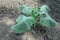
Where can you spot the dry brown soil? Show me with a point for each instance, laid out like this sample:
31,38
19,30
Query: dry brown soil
9,11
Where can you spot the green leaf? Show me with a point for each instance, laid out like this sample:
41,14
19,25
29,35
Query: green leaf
44,8
20,18
26,10
24,24
29,11
35,11
46,20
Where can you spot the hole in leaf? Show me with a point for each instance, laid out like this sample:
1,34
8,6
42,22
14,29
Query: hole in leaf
43,15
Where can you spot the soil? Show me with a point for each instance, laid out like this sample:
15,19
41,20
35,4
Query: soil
9,11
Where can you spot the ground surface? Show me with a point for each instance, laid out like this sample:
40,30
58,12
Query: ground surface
9,12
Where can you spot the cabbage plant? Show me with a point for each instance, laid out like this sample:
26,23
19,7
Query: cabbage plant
30,16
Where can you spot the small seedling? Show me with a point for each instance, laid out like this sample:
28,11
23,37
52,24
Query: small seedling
36,15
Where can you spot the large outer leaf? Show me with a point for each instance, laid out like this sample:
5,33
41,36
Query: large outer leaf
26,10
20,18
45,19
44,8
23,25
